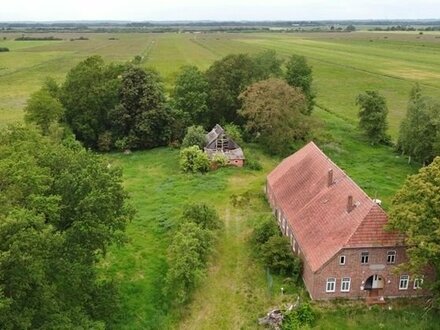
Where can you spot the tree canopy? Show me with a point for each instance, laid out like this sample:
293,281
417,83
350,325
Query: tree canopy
190,95
415,212
227,78
89,92
142,118
43,110
273,111
373,116
61,209
299,74
419,134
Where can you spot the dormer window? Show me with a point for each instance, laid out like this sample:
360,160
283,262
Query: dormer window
342,260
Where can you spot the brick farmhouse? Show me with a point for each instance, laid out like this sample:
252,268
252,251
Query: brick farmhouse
337,230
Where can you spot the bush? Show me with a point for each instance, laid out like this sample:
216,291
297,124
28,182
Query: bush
220,160
253,164
189,250
235,133
4,49
304,315
203,215
105,141
195,136
264,230
277,256
192,159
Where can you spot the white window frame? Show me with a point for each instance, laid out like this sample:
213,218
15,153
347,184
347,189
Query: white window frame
365,254
345,281
418,282
391,255
343,257
404,279
332,282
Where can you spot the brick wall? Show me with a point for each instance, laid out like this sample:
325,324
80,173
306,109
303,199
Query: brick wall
353,269
359,273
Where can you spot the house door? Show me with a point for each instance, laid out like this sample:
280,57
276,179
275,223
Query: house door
374,284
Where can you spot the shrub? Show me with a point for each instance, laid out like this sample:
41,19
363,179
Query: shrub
253,164
264,230
195,136
4,49
220,160
105,141
203,215
235,133
192,159
276,254
304,315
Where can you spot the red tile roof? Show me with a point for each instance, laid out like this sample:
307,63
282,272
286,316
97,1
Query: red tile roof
317,213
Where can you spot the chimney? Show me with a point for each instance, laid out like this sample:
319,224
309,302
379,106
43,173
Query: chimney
350,205
330,177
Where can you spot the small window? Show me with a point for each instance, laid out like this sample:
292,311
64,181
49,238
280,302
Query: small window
345,284
330,285
342,260
403,283
391,257
418,282
364,258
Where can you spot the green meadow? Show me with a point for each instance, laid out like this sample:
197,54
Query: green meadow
344,64
237,290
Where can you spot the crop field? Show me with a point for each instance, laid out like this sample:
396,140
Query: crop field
344,64
237,290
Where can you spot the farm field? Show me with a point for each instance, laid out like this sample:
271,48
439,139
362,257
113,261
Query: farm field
237,290
344,64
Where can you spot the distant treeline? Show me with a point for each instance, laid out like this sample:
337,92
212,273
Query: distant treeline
406,28
172,26
23,38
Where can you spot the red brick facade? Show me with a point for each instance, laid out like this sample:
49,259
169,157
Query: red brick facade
352,268
337,230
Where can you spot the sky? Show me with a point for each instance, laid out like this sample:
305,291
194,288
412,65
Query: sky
166,10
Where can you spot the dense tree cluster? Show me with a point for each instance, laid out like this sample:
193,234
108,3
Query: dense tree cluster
61,207
419,135
123,106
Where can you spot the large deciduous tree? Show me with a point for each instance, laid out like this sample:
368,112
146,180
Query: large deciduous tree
190,95
89,92
373,116
419,134
61,207
43,110
273,111
299,74
415,212
227,78
267,65
142,119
